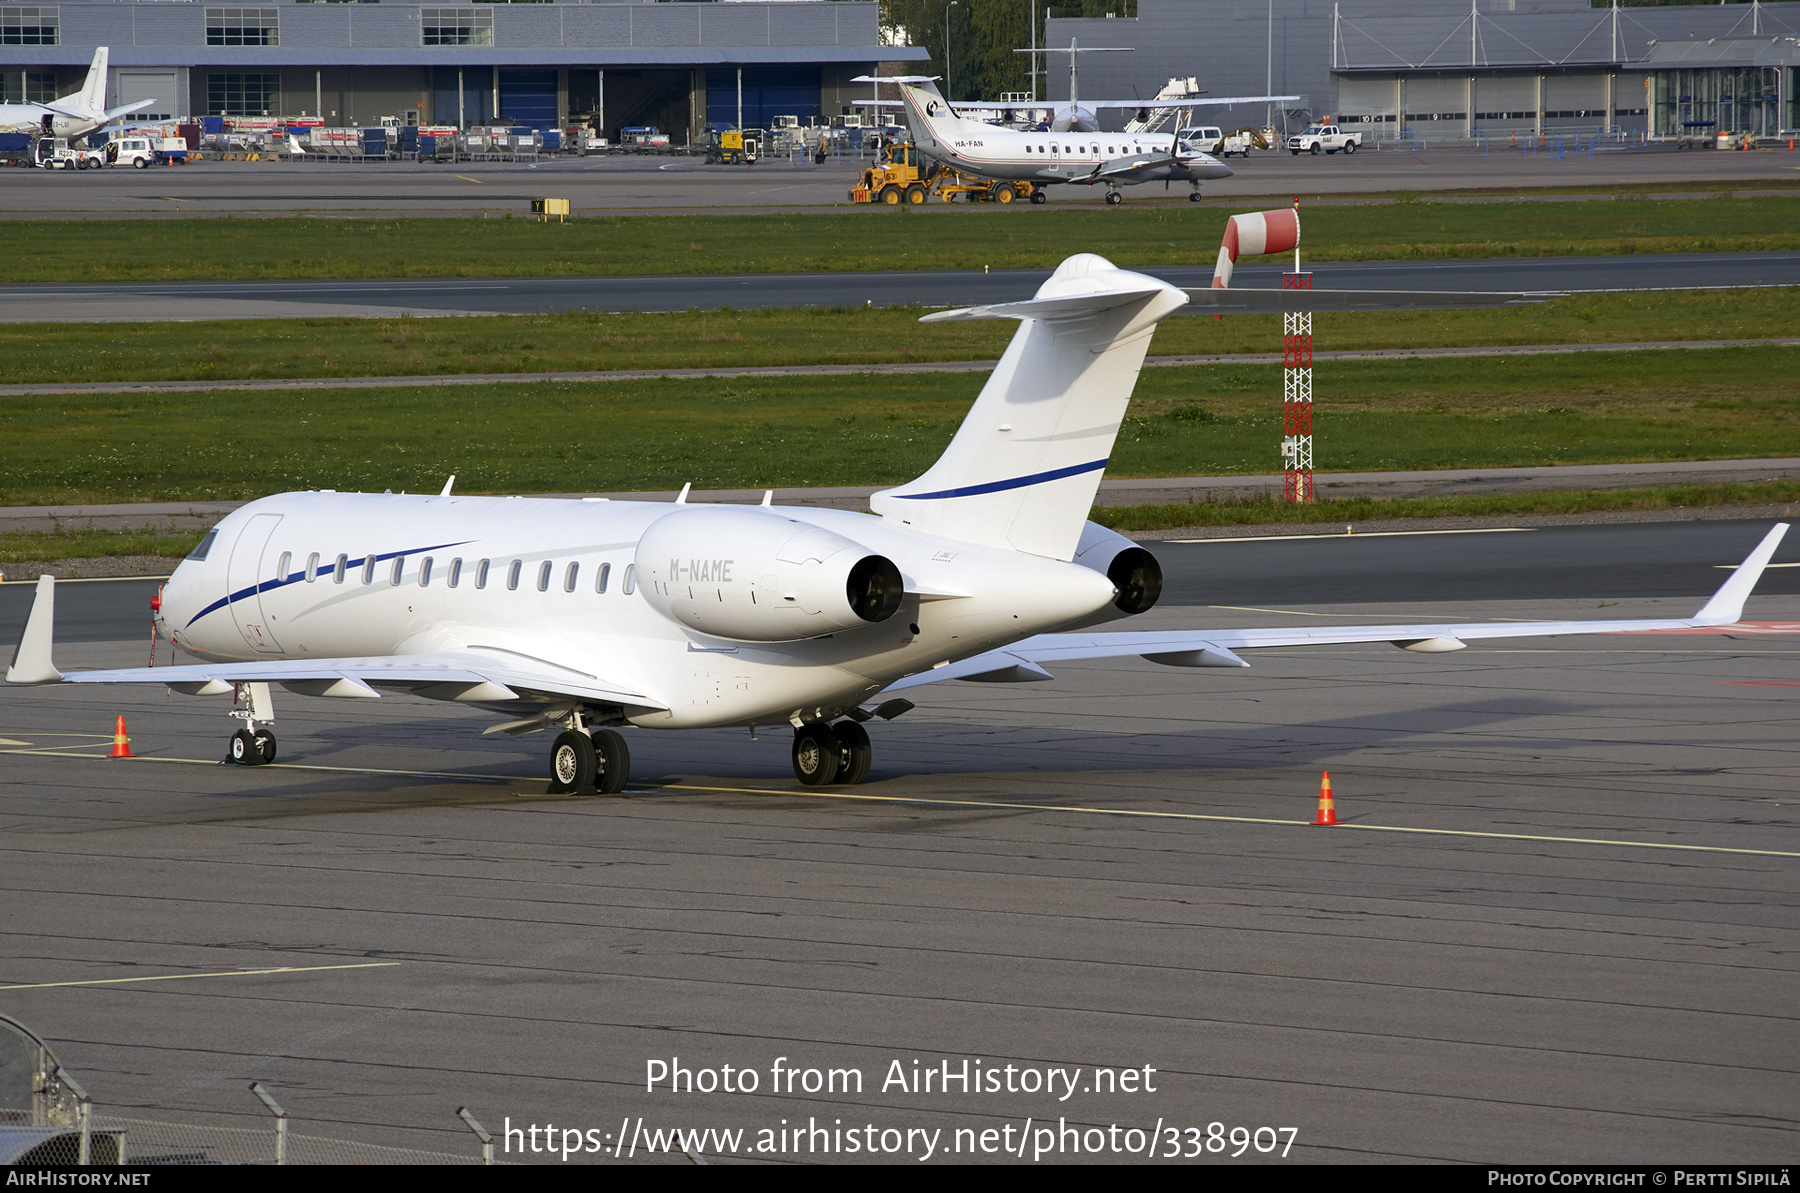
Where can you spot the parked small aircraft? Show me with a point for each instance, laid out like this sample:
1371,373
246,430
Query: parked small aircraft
587,616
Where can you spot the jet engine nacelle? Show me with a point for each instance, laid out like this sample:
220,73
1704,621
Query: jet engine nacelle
1136,575
758,576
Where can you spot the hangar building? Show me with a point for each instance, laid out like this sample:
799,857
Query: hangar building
680,66
1462,68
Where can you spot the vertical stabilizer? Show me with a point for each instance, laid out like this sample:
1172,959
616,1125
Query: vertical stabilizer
934,125
1024,466
92,99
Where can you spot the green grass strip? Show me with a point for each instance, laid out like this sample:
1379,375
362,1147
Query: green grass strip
885,239
1414,413
1273,511
311,348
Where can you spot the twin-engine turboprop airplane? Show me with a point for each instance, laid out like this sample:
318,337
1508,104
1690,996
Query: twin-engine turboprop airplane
1085,158
72,115
584,617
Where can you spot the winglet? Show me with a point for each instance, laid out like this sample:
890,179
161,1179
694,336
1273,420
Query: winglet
31,658
1727,604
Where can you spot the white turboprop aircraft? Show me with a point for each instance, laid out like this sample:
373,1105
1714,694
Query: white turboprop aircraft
585,616
1086,158
72,115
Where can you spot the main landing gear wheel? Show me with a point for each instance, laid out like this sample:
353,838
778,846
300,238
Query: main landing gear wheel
1193,196
816,754
854,752
252,749
612,760
1114,198
572,764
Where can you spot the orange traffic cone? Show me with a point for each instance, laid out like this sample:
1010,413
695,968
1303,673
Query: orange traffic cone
1327,809
121,743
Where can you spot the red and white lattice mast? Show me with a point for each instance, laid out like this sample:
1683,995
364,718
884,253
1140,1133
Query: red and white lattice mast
1254,235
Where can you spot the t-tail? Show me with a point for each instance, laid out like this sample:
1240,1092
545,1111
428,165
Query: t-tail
1022,470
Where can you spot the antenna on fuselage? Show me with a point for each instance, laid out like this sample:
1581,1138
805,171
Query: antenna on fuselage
682,500
447,485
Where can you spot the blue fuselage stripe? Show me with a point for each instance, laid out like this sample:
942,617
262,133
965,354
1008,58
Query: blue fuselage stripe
1017,482
284,581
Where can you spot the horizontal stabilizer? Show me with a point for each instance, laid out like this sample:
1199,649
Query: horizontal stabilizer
1262,302
1064,307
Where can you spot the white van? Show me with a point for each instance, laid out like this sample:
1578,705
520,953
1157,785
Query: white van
132,151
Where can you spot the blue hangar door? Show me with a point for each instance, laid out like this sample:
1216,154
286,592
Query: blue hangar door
529,98
768,92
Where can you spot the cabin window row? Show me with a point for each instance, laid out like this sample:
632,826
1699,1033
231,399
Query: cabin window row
546,573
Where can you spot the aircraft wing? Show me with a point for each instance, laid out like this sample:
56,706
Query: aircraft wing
487,675
474,676
1022,662
1187,103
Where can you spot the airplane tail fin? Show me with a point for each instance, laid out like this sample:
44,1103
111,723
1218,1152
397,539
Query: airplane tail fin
930,116
1023,468
92,99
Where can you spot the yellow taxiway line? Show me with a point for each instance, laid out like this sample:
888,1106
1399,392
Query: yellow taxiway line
1374,828
999,804
177,977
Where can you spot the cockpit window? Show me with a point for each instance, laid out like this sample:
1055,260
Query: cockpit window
199,552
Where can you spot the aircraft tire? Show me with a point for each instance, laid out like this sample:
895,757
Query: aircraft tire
1193,196
244,748
816,754
1039,197
1004,193
1349,146
854,752
613,761
891,196
572,764
1114,198
915,194
265,746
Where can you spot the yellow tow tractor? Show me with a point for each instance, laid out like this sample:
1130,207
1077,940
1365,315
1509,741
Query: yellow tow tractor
905,177
898,178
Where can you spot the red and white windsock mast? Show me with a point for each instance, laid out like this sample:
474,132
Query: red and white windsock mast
1256,234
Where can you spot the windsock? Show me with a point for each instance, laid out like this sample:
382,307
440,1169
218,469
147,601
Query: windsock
1253,235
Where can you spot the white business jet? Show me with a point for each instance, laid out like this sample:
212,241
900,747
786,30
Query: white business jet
1087,158
72,115
583,617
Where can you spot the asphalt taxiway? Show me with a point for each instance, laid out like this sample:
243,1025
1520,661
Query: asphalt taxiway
1558,925
94,302
647,185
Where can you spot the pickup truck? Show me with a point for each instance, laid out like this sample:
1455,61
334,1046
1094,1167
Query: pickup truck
1327,137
